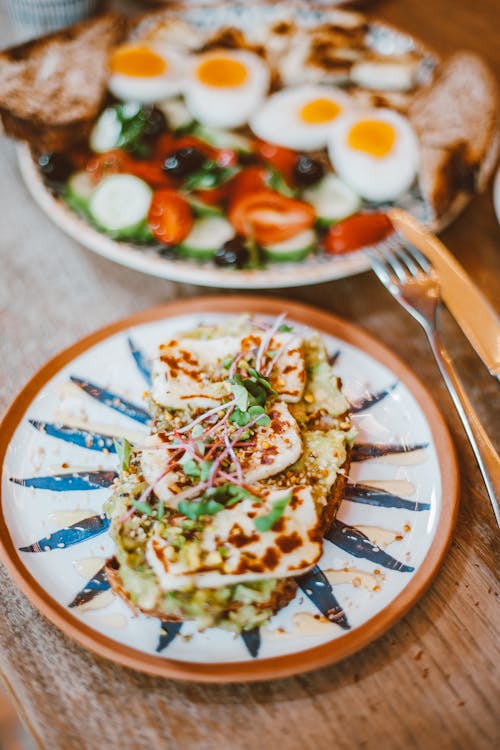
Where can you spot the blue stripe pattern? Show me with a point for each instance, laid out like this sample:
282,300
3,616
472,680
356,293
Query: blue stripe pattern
319,590
70,482
97,584
356,543
168,631
140,360
113,400
94,441
70,535
251,639
371,399
366,451
366,495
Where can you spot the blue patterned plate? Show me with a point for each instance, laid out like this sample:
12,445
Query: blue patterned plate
379,555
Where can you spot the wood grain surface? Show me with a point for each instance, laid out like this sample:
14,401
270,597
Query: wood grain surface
433,680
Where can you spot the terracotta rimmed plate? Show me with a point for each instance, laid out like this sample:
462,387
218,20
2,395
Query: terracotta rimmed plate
393,527
384,39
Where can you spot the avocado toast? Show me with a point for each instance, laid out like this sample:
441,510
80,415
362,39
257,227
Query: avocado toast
227,500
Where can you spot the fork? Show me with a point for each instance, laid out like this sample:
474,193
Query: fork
413,282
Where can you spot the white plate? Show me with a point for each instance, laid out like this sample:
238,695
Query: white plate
315,269
416,534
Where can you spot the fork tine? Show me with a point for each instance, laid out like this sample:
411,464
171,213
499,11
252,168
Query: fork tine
382,270
405,257
388,252
417,256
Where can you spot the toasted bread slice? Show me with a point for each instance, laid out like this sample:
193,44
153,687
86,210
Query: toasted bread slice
286,588
51,88
457,121
282,595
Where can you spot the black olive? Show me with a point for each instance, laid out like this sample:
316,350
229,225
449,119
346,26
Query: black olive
307,171
165,251
56,168
155,123
233,253
183,161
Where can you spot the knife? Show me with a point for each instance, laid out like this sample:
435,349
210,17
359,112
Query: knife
468,306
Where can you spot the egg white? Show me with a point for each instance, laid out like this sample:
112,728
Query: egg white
376,179
148,90
231,106
278,120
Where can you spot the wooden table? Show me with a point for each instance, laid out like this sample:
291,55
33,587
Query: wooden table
433,680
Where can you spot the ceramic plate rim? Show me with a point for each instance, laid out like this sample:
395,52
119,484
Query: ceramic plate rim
274,667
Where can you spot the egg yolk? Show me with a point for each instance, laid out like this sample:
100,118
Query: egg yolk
222,72
374,137
138,62
319,111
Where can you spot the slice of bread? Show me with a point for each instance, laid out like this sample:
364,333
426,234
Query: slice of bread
286,588
51,88
457,121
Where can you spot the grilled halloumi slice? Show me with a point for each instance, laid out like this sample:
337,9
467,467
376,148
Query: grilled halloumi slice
190,372
292,545
277,446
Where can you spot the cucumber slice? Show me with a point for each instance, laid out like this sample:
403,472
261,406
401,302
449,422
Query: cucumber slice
206,237
140,234
203,209
106,132
78,190
176,113
332,200
120,203
292,250
220,138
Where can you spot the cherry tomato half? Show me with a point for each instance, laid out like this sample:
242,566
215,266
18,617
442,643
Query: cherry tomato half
282,159
249,180
270,217
110,162
169,219
151,172
356,232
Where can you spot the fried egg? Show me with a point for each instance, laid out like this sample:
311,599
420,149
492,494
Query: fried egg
375,152
145,73
225,87
300,117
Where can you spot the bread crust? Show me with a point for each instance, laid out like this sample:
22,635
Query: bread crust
286,588
54,115
457,122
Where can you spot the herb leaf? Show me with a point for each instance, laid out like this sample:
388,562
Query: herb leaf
205,467
240,394
195,508
124,453
190,467
241,418
209,175
142,507
214,500
265,523
262,380
277,182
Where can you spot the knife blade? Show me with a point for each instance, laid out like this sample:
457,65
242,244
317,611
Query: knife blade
473,313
